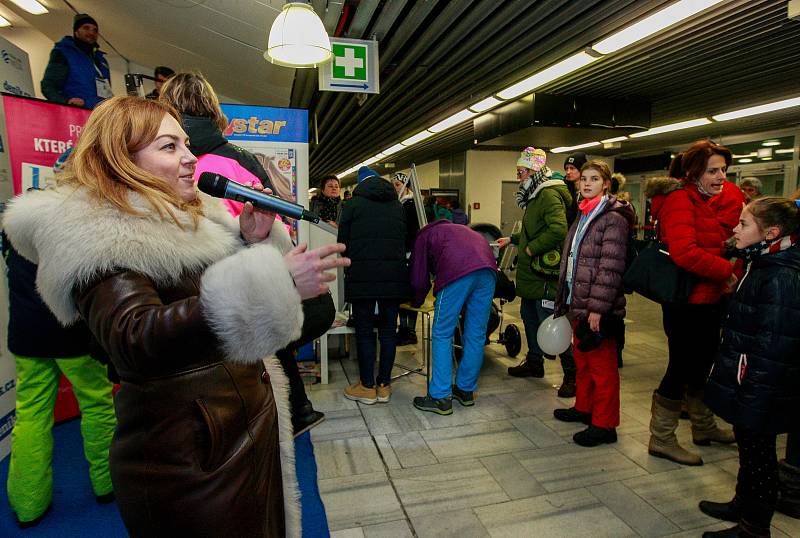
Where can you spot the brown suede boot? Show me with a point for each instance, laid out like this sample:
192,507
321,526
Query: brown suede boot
663,423
704,426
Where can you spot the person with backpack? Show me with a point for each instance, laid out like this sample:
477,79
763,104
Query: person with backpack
591,295
755,378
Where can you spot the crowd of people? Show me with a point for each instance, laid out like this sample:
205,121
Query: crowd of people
183,299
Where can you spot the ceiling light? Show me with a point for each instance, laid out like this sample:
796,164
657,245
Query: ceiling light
373,159
743,155
4,23
746,160
297,38
615,139
771,143
486,104
394,149
673,127
652,24
760,109
455,119
564,149
764,152
31,6
766,158
419,137
785,150
547,75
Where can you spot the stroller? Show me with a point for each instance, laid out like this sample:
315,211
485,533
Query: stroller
505,292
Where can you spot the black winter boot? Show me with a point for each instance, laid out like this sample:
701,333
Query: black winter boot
567,388
532,366
729,511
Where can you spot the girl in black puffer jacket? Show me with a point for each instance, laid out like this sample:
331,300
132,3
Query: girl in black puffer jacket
755,381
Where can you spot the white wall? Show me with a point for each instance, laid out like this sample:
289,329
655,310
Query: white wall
486,170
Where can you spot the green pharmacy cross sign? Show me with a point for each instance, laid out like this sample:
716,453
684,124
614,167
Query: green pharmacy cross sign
354,67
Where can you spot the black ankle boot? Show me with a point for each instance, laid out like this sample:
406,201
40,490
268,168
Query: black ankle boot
533,366
729,511
304,418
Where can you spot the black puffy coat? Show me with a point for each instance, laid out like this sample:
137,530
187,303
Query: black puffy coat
33,331
762,327
373,228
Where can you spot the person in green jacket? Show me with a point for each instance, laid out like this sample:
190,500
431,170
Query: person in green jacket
544,227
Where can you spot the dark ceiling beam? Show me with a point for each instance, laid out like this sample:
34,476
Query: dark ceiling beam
362,18
387,17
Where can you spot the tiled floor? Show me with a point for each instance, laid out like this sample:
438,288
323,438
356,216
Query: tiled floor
506,467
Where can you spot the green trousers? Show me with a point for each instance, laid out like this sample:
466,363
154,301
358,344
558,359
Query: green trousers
30,474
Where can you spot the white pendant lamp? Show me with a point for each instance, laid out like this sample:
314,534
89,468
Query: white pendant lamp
297,38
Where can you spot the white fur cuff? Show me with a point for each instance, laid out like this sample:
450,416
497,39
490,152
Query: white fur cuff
251,303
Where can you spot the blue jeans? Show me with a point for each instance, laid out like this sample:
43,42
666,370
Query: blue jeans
533,314
475,290
365,321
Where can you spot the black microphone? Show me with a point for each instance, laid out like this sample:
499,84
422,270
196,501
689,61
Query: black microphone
222,187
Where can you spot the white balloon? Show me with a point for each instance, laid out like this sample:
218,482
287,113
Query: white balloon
554,335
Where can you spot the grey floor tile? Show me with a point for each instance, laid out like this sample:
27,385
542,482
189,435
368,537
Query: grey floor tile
575,513
340,425
445,487
515,480
360,500
676,493
346,457
538,432
394,418
461,523
571,466
633,510
387,452
411,450
392,529
356,532
786,524
475,440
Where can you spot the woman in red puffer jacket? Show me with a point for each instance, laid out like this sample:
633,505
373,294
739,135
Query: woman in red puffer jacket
694,215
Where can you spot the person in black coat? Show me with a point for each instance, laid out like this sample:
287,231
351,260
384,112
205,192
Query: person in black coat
373,228
755,381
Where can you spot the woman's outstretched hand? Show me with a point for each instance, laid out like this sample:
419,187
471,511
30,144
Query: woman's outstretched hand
255,225
308,267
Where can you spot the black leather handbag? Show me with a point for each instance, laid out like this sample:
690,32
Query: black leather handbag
654,275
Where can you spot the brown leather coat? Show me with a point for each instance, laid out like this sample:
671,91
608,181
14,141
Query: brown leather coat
600,264
187,314
196,449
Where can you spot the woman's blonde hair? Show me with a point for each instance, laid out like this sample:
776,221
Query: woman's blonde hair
190,93
102,160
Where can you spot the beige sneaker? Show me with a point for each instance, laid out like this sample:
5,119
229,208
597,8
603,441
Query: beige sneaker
384,392
360,393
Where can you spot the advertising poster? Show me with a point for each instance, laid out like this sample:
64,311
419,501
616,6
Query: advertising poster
278,137
15,70
38,132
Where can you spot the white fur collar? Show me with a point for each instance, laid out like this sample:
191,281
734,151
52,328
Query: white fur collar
74,238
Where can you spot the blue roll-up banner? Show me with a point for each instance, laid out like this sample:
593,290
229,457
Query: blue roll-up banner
247,122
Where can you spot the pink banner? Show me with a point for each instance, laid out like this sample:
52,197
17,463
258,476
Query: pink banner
38,132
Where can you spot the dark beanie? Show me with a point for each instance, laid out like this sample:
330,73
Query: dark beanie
577,160
81,19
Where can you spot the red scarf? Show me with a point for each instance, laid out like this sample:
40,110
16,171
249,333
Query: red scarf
586,205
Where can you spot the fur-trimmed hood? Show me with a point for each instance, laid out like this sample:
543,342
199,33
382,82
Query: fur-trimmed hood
75,238
661,185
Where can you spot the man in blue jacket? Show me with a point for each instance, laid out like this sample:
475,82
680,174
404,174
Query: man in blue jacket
465,272
77,73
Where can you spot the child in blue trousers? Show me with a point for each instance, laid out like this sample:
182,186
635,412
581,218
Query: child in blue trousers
464,273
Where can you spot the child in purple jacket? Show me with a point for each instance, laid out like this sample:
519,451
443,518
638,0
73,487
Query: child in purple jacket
464,273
